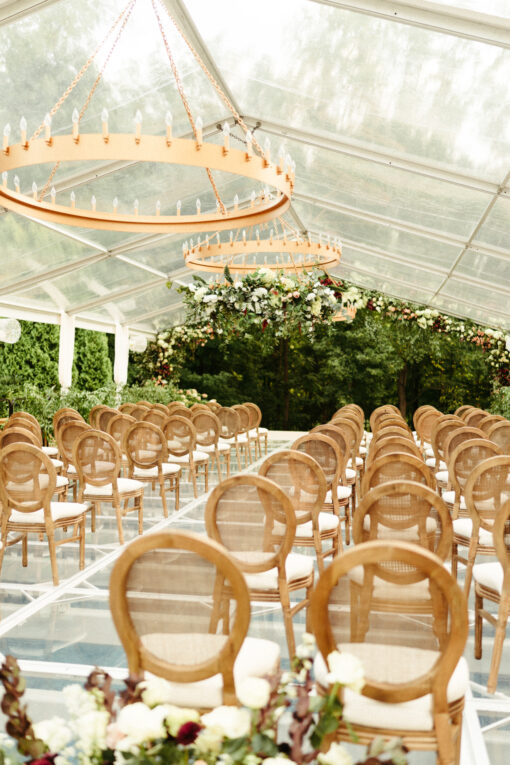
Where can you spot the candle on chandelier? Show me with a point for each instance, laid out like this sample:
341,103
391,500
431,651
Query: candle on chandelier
198,203
115,204
5,176
7,133
34,190
226,137
104,122
76,124
138,125
53,194
23,129
16,183
158,207
236,202
73,199
136,206
244,236
253,197
169,122
231,238
199,125
267,151
93,202
47,128
179,206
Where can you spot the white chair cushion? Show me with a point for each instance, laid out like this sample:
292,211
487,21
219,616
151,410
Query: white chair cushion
327,522
222,448
407,535
449,498
359,462
350,474
419,591
43,483
343,492
489,575
198,456
124,485
429,451
166,467
71,470
296,567
394,663
431,462
59,510
257,658
263,430
442,476
51,451
363,450
61,481
463,527
56,463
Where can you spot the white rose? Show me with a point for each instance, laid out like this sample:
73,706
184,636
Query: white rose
78,700
266,275
199,294
177,716
210,299
336,755
422,322
346,669
253,692
305,651
141,723
156,691
54,733
209,740
91,731
260,292
315,308
233,722
238,284
277,761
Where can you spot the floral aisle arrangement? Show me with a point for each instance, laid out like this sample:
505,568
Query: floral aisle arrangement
140,726
264,300
165,355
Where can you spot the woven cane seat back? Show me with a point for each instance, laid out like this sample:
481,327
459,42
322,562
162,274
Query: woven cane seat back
17,435
145,445
156,416
391,445
488,421
26,424
487,488
166,598
96,458
139,411
425,425
474,417
458,436
67,435
104,417
244,417
342,438
420,411
242,513
404,510
230,421
462,410
403,658
94,414
27,478
301,478
180,435
499,433
255,414
325,452
207,427
440,433
118,426
127,407
64,415
395,467
465,458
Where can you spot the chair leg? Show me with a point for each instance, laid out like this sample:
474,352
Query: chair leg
3,533
238,455
24,551
478,624
82,543
287,619
218,463
499,639
53,555
120,530
227,461
163,495
139,504
455,551
469,567
177,491
206,476
193,476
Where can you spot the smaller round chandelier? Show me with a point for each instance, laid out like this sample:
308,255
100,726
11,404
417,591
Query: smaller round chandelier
276,175
282,250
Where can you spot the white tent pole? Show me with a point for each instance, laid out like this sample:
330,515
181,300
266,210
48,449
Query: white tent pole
120,367
66,350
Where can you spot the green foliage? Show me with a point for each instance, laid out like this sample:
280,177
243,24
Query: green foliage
91,360
500,403
32,360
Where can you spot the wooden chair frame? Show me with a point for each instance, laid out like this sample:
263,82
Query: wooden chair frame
388,459
445,736
192,464
283,543
212,441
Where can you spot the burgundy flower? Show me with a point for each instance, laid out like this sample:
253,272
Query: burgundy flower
264,324
370,305
187,733
47,759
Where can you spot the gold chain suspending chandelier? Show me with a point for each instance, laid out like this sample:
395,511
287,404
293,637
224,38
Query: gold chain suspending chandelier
252,162
283,250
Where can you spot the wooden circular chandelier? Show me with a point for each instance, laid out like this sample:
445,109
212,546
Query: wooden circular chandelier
251,162
287,252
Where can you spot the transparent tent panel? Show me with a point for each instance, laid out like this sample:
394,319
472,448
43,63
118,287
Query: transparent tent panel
29,249
493,7
96,281
132,307
375,281
466,309
419,249
491,302
398,87
381,189
385,267
486,268
495,229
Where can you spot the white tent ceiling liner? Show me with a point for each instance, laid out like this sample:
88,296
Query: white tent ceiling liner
396,115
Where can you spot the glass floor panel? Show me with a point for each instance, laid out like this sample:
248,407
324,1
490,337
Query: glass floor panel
59,633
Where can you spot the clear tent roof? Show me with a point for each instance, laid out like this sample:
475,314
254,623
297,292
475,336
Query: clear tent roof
395,114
